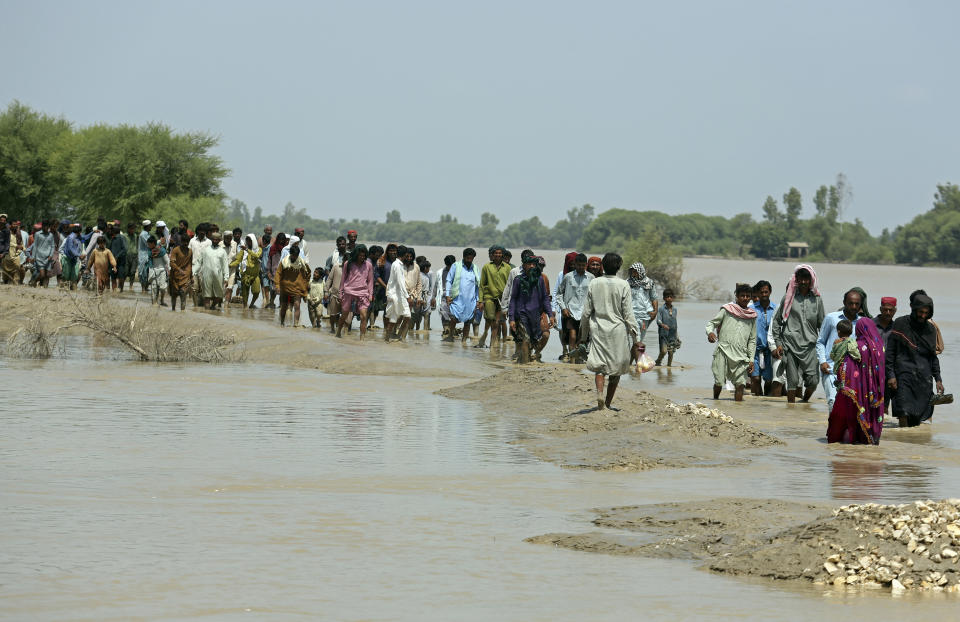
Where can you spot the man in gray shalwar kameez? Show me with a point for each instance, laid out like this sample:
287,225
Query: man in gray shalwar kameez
796,327
608,322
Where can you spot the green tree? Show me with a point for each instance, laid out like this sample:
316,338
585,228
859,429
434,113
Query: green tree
487,234
28,143
820,201
935,235
662,260
567,231
768,240
793,204
393,216
489,220
192,209
741,227
238,215
530,232
126,171
771,213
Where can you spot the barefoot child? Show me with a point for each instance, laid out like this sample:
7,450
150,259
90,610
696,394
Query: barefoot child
315,298
736,325
101,263
181,272
844,344
155,268
667,328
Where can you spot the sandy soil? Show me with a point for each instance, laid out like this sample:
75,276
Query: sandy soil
563,425
256,341
694,530
896,547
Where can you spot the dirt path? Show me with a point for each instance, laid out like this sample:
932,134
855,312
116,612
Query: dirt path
562,424
254,341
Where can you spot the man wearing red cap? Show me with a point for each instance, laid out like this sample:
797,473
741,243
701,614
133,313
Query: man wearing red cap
884,320
351,240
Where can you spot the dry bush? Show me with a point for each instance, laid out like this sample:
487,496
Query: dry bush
204,345
36,339
153,338
707,289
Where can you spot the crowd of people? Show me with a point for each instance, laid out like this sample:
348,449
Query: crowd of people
865,364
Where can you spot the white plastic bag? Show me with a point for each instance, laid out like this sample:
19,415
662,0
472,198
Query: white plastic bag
645,363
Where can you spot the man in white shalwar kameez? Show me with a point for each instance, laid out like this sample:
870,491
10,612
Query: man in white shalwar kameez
609,323
400,296
198,243
214,271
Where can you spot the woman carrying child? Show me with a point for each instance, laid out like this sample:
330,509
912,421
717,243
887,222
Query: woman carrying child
857,413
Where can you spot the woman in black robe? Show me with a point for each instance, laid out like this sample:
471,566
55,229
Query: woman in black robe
912,364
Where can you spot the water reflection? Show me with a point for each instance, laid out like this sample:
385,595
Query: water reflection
664,375
875,481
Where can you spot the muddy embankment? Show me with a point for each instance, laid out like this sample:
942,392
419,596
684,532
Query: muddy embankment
869,546
237,335
642,431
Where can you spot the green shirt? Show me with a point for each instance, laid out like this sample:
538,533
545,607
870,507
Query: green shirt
736,337
802,328
493,280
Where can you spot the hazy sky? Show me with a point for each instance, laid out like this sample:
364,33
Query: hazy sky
518,108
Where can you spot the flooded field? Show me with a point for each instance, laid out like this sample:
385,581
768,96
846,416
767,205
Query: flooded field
177,492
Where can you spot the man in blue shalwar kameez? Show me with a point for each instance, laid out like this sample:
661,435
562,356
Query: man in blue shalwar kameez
462,291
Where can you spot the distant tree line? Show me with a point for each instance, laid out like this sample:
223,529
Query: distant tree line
49,168
447,231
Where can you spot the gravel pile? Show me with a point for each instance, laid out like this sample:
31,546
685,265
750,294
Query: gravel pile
904,547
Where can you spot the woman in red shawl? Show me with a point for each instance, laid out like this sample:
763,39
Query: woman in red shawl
857,414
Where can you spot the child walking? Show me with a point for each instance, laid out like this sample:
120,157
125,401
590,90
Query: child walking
155,269
734,330
315,298
667,328
101,262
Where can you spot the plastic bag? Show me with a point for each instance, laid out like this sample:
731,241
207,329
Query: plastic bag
645,363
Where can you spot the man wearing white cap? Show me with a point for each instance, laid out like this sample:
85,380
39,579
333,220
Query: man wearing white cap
162,235
294,241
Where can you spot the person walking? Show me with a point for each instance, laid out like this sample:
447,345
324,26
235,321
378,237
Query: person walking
609,323
796,328
912,365
857,413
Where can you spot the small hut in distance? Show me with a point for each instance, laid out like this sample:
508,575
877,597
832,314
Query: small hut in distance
797,250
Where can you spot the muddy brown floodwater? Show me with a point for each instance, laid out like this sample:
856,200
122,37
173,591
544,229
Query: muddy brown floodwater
141,492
